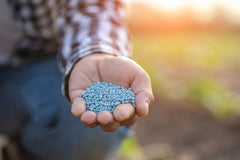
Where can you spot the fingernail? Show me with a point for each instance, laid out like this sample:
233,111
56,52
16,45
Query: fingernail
147,105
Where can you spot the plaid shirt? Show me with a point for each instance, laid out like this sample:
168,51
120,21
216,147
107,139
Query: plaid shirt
71,28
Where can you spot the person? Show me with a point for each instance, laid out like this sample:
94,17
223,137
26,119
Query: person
92,43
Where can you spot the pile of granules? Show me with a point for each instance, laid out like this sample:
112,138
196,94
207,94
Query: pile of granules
103,96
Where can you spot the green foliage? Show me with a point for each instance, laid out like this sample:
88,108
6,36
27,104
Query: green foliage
204,50
177,63
213,96
130,149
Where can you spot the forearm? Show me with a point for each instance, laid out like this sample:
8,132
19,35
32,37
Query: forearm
92,27
82,27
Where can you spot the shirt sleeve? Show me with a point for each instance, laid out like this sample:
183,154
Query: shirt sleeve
92,26
82,27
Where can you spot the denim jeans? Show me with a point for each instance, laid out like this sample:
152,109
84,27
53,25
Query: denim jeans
33,109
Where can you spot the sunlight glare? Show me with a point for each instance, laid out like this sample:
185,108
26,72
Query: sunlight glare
231,5
200,6
170,5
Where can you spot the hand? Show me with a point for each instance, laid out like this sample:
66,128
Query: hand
117,70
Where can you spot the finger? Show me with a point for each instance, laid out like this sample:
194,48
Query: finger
75,94
82,75
129,122
105,118
89,119
110,127
144,96
78,107
78,104
123,112
142,104
107,122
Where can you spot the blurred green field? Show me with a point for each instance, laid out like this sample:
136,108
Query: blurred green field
198,67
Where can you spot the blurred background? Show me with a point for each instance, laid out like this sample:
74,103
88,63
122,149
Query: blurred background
191,49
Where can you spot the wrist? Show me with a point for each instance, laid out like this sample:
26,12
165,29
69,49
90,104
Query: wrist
98,55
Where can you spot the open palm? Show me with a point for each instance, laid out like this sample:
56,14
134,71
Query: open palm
115,69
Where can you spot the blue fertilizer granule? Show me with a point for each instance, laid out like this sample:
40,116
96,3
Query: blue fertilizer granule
103,96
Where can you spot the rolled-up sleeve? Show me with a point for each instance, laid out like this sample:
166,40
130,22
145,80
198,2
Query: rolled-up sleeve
81,27
92,26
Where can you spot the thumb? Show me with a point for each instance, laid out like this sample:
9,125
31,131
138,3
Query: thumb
78,103
141,86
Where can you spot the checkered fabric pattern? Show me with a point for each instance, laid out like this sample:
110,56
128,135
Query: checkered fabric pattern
72,28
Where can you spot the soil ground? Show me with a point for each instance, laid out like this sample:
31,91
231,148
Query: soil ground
182,132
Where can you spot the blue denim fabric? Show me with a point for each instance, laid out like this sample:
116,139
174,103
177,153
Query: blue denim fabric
33,109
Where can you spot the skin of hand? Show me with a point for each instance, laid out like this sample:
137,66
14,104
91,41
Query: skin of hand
117,70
